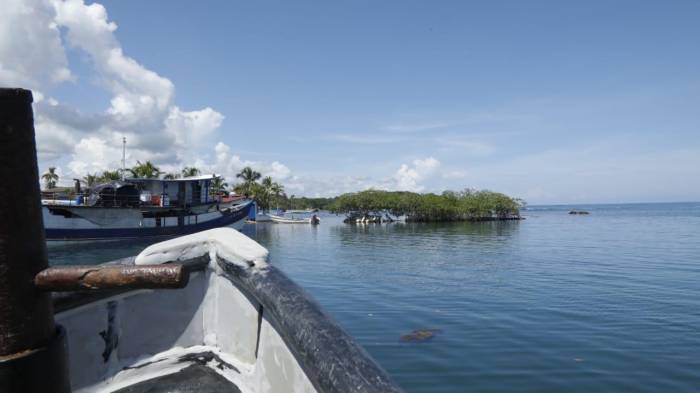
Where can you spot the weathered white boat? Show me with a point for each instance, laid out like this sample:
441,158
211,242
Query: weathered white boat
239,324
292,220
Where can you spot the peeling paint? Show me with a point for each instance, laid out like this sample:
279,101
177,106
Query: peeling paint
110,335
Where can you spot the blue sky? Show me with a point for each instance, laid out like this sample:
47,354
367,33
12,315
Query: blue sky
551,101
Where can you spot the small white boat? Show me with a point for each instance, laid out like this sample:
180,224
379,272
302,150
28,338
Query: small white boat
307,211
292,220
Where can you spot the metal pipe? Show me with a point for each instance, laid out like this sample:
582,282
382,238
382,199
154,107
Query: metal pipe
94,278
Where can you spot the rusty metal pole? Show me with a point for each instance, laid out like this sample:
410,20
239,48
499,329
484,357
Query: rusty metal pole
105,277
29,340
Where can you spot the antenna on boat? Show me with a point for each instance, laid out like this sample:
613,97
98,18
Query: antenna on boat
123,156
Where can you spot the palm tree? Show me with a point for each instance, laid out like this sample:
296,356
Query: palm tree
277,191
190,171
267,182
145,170
249,177
268,192
50,177
241,189
263,194
171,176
108,176
218,185
260,195
90,179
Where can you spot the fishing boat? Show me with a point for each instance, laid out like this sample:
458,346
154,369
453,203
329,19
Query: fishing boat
138,208
293,220
203,313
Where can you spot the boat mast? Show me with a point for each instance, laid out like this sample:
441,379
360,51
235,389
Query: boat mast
123,156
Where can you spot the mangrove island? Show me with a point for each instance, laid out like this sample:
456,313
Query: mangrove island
468,205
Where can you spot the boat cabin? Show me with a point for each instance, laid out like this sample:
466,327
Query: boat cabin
115,194
188,191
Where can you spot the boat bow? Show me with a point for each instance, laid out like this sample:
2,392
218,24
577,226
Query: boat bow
268,333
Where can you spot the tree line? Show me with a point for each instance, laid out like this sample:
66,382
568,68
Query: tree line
266,193
468,204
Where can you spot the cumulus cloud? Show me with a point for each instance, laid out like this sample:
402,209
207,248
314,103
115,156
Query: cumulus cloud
228,165
34,37
407,177
31,52
95,155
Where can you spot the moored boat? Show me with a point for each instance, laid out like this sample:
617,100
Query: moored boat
141,208
292,220
307,211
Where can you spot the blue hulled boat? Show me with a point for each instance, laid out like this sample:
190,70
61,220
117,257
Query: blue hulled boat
141,208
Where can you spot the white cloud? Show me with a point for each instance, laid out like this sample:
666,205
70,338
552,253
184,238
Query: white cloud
142,107
314,186
93,154
189,129
407,177
229,165
31,52
279,171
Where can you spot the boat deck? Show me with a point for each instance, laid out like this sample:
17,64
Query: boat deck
198,369
196,378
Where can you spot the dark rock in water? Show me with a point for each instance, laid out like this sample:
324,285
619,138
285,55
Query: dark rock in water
578,212
420,335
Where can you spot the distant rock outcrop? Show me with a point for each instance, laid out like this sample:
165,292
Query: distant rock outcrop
579,212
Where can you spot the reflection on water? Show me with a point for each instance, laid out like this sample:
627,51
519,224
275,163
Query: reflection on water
606,302
92,253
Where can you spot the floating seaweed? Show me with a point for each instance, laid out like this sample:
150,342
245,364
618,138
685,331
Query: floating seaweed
420,335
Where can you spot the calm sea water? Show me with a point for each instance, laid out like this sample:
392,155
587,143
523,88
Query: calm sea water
555,303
